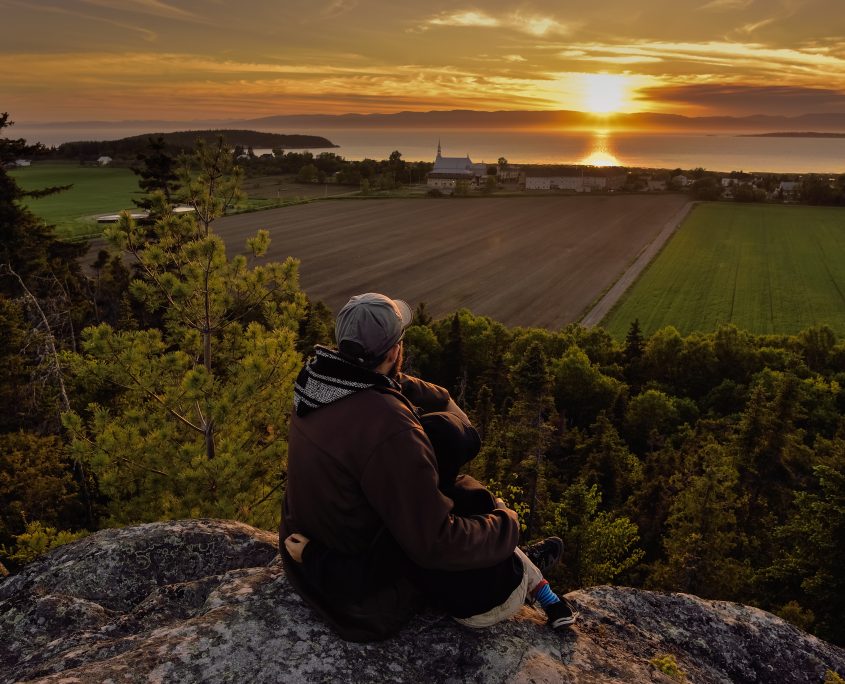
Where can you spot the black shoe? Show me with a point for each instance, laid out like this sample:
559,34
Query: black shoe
560,614
545,554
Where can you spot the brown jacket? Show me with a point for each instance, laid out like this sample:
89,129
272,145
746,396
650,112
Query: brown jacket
364,463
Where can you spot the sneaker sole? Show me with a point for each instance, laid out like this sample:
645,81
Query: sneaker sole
564,621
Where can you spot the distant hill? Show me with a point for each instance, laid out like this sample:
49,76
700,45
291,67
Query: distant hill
795,134
463,118
184,140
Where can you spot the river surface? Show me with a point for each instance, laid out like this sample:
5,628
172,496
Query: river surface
717,152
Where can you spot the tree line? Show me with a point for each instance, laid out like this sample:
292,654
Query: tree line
156,383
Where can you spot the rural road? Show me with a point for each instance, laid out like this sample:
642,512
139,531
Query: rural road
596,315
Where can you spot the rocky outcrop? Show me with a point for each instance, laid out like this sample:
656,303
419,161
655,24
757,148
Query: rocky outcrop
208,601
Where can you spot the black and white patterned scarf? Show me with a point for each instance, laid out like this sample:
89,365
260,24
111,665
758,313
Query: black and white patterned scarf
329,377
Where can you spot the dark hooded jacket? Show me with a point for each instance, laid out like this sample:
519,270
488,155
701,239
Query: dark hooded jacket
362,478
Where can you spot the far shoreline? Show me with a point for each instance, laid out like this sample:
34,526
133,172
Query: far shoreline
793,134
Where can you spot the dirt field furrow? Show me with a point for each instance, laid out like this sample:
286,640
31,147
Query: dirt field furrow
537,261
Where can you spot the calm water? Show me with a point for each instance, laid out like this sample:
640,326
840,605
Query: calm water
658,150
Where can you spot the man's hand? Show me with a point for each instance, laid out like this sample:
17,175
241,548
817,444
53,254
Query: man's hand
295,545
500,503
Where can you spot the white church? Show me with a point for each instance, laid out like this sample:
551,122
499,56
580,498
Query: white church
448,171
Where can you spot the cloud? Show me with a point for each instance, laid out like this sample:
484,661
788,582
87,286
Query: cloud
152,7
535,25
145,33
750,61
465,18
622,59
726,5
337,7
515,58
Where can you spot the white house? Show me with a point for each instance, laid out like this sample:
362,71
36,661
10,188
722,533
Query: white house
574,178
788,190
448,171
23,162
104,161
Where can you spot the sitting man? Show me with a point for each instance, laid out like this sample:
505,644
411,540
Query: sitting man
363,483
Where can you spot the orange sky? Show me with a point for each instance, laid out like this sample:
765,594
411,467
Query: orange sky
65,60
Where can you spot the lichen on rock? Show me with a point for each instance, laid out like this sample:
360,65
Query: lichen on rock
208,601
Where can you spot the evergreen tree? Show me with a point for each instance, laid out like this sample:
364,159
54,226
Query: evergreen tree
702,535
599,545
454,361
812,561
634,342
42,277
530,426
316,327
609,464
421,315
157,169
197,423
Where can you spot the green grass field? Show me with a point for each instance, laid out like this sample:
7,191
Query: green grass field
765,268
96,190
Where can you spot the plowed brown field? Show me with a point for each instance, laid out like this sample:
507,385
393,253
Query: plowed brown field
538,261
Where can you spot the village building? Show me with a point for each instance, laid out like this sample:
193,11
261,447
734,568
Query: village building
449,171
788,190
23,162
574,178
104,160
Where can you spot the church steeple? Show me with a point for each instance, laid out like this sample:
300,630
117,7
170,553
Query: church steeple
439,153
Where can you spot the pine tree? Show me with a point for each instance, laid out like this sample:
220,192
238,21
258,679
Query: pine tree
702,534
41,275
454,360
158,173
634,342
530,426
197,423
421,315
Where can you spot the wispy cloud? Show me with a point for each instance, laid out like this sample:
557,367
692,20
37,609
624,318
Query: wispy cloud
726,5
465,18
536,25
145,33
152,7
337,7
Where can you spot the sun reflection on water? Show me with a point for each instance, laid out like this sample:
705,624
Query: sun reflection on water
601,152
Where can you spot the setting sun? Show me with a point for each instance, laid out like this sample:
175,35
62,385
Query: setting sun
605,93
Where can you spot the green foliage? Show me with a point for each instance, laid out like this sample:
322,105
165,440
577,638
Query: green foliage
197,417
667,664
830,677
37,540
650,417
702,533
813,557
599,545
581,390
156,167
37,483
793,612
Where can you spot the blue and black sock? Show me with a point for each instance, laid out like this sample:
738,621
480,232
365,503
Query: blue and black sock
544,595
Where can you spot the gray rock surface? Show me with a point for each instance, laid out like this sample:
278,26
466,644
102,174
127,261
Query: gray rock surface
208,601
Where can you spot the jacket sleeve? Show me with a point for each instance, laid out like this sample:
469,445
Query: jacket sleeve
400,482
429,397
